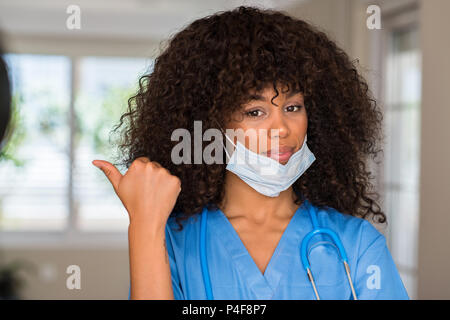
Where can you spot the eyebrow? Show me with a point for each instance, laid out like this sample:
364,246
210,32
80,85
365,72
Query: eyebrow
259,97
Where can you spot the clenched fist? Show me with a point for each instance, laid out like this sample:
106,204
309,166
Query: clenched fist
147,190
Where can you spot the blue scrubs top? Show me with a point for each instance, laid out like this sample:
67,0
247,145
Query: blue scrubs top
235,276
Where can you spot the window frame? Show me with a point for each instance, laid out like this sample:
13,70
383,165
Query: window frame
393,18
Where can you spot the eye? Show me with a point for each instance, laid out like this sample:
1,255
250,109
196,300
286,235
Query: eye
253,113
294,108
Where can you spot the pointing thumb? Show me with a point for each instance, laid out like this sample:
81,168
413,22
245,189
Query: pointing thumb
110,171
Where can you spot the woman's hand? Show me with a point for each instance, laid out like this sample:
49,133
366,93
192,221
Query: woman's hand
147,190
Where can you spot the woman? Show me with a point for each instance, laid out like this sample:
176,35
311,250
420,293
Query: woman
253,69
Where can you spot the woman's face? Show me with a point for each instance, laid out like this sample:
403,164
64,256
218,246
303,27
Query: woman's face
288,116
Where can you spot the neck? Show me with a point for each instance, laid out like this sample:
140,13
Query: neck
243,201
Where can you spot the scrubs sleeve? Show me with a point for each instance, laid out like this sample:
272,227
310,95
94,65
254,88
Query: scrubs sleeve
176,285
376,273
177,292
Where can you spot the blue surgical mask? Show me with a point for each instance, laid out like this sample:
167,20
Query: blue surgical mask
267,175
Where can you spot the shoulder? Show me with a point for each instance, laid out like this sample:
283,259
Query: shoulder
357,232
374,271
179,236
345,222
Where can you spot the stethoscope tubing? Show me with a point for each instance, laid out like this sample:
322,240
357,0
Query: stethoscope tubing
203,259
338,243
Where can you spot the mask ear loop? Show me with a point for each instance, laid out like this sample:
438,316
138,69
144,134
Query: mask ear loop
226,136
228,155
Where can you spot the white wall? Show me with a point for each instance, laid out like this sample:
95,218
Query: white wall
434,228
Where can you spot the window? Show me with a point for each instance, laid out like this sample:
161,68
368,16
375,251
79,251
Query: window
402,98
34,180
66,109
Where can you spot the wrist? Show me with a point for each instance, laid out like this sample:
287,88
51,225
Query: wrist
146,227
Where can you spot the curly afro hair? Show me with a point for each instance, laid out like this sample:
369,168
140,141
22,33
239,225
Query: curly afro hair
207,72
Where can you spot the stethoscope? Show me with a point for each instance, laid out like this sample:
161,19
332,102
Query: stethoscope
303,253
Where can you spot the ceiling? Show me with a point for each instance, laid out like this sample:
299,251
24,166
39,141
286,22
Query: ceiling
132,19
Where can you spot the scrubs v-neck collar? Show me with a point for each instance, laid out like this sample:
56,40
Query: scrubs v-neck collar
262,285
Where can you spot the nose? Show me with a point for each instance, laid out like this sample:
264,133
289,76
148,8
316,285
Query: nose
278,125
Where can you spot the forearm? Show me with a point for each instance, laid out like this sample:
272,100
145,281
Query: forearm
149,263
